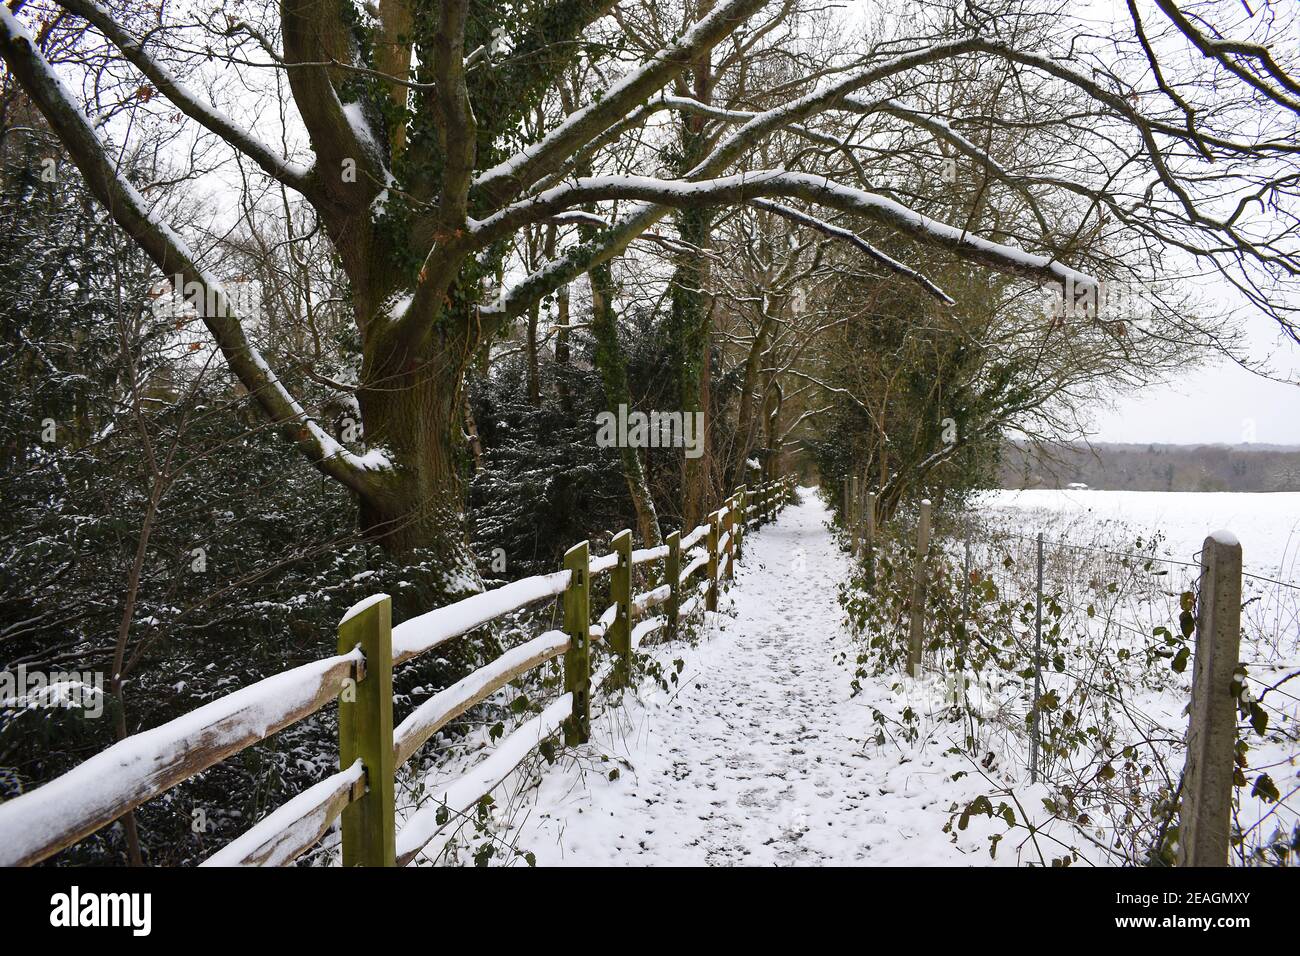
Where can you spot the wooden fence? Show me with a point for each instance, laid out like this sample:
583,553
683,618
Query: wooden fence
40,823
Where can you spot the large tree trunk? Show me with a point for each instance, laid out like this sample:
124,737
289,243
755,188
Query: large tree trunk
772,401
689,334
412,408
691,328
746,425
613,372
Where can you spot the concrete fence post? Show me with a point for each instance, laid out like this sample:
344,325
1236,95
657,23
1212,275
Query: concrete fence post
860,507
965,595
1034,730
1206,818
366,734
916,625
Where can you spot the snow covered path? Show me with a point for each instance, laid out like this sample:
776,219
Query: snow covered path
759,756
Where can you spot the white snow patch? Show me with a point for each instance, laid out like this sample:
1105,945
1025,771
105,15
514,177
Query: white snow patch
363,605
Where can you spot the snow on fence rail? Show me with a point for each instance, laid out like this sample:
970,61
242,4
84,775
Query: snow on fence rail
40,823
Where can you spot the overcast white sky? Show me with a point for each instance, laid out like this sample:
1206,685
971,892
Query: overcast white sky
1223,403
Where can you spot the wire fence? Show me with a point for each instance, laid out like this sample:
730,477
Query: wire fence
1109,641
1072,659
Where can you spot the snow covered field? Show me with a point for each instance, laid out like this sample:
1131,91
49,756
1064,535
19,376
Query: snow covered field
1076,523
1268,525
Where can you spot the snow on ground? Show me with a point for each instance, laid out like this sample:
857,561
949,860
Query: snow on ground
761,755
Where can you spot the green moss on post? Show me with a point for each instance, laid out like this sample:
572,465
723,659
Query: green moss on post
742,502
366,733
711,598
620,632
729,524
673,571
577,659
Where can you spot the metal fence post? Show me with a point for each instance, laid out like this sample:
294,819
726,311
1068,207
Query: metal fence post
366,733
965,591
1038,665
577,659
869,540
1206,817
916,626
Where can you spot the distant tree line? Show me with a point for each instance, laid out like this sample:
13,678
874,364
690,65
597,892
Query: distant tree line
1136,467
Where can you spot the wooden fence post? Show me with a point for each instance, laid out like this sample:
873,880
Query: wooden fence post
852,516
673,571
729,524
711,599
916,626
366,733
741,502
577,659
620,585
1206,818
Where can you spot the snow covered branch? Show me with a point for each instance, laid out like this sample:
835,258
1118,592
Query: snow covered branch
827,229
532,163
271,162
747,187
170,253
314,34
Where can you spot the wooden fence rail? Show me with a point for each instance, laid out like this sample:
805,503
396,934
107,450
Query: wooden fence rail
37,824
